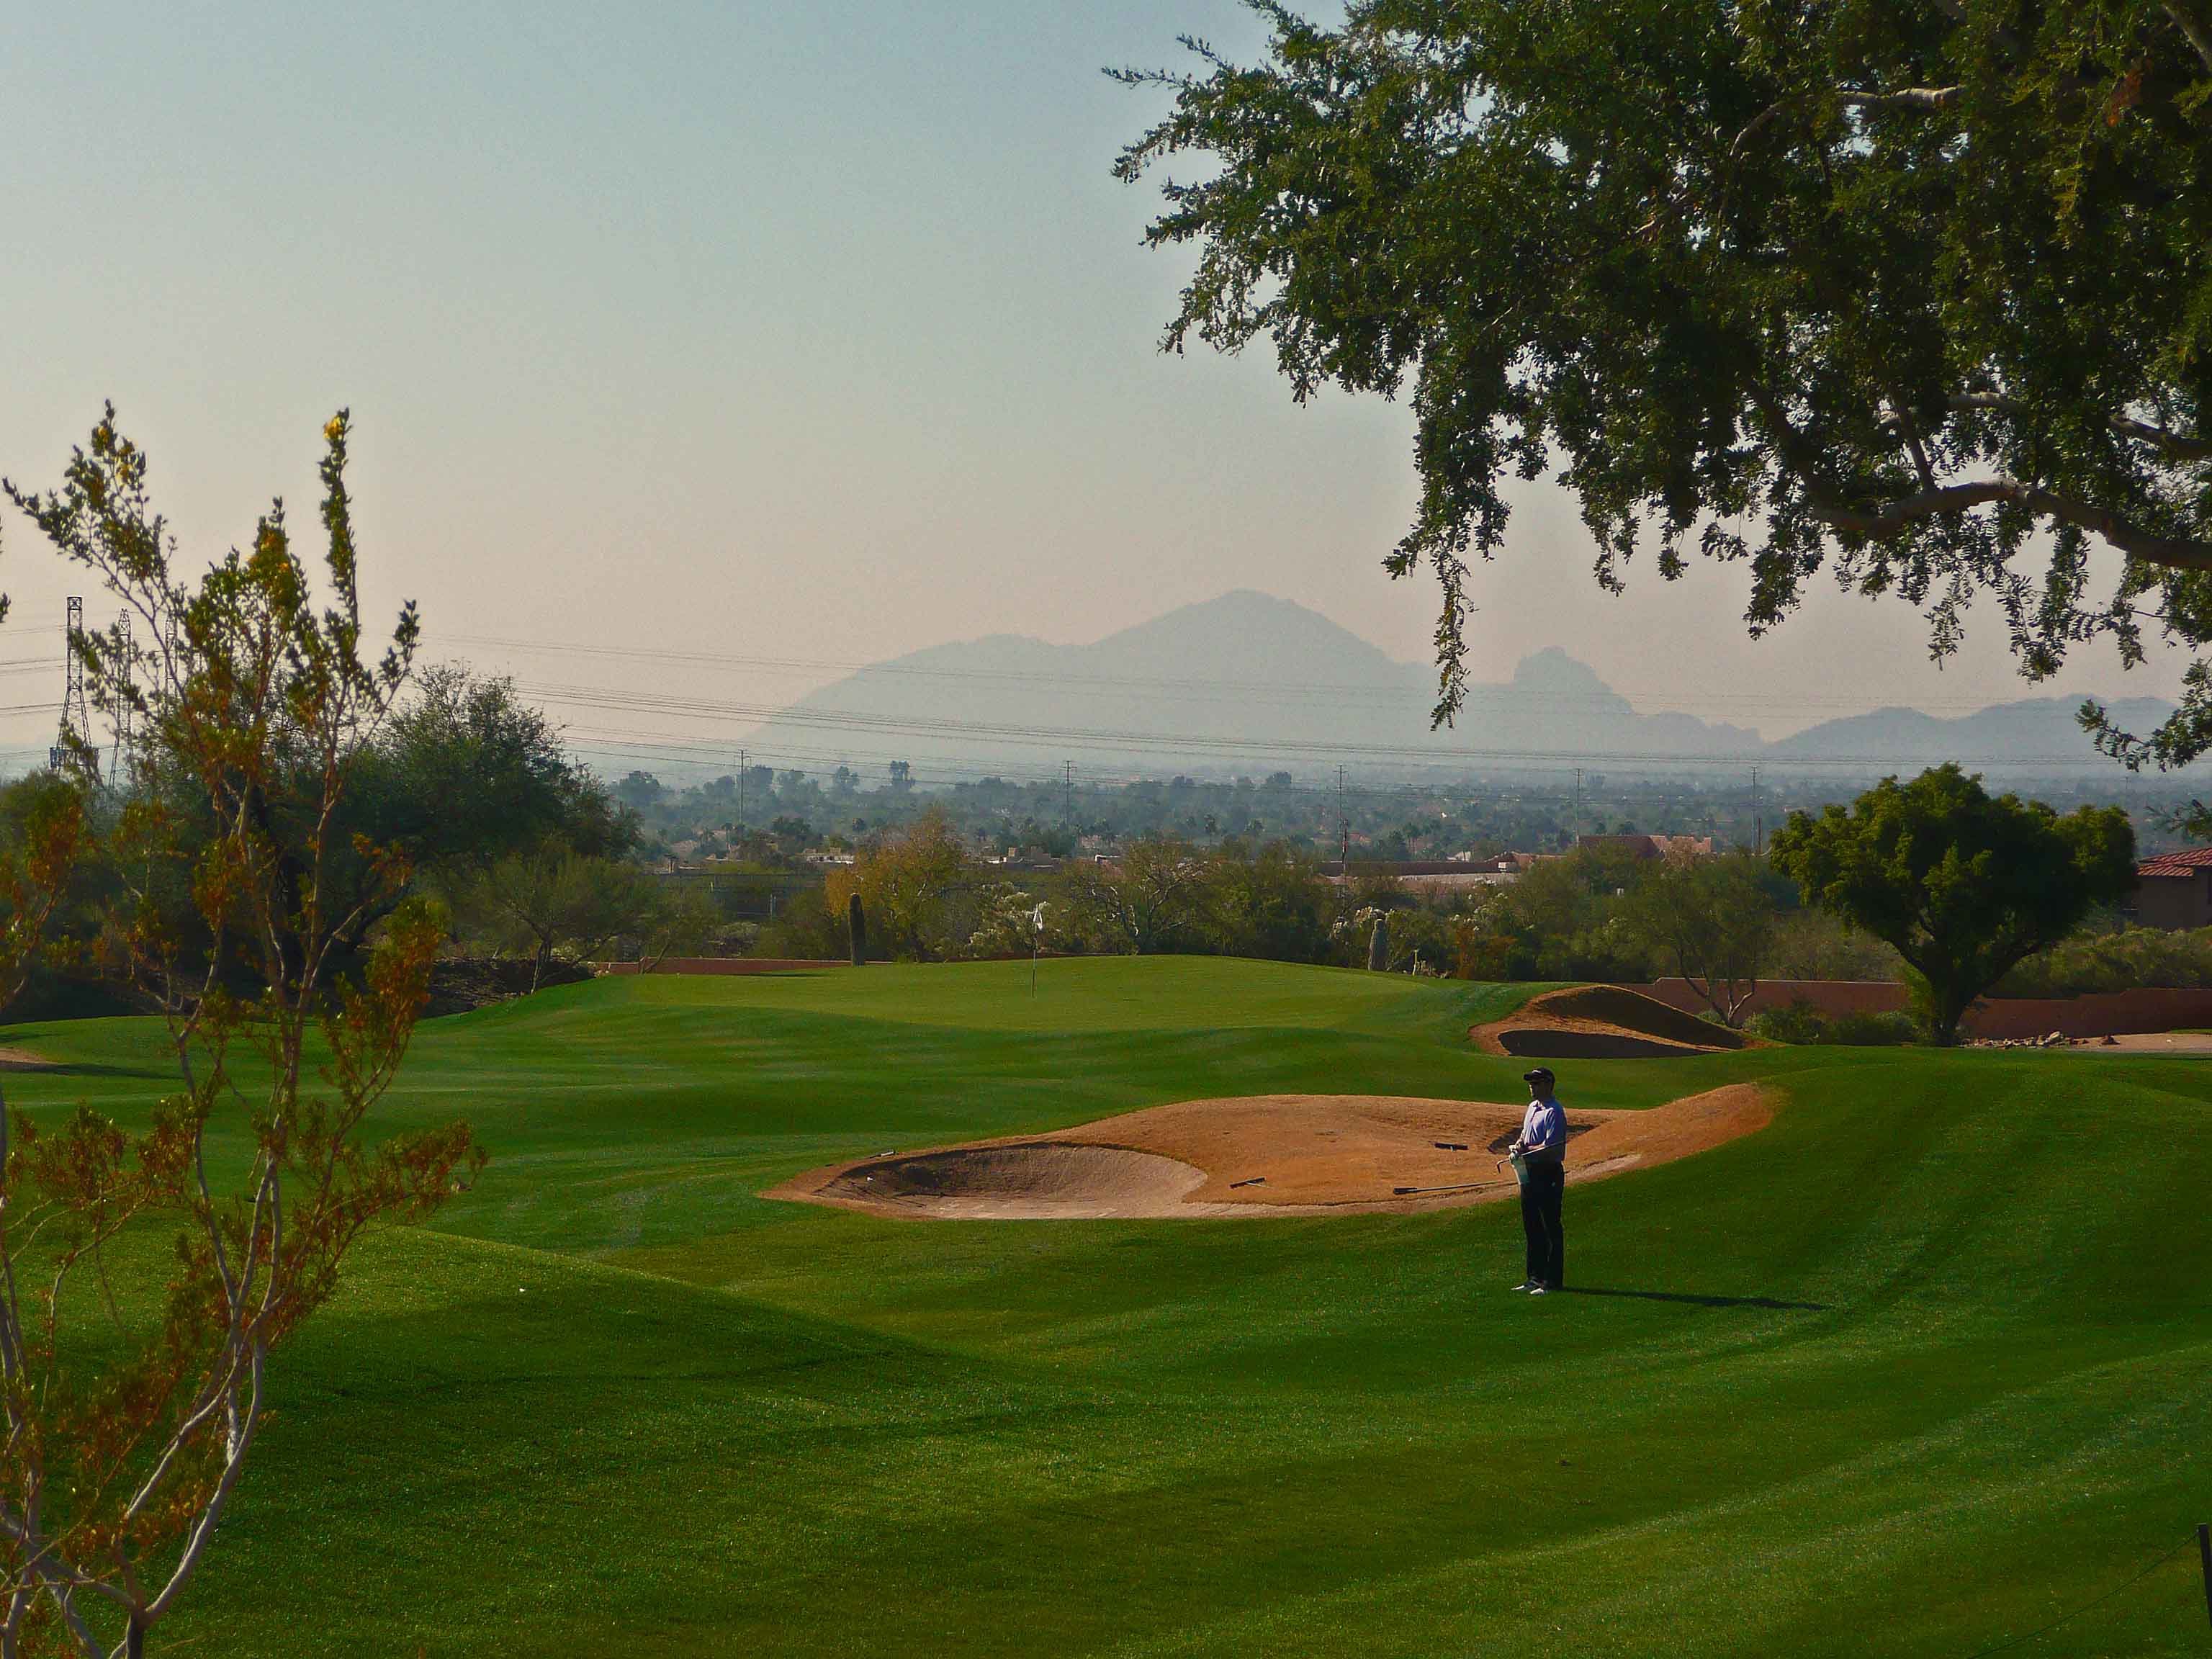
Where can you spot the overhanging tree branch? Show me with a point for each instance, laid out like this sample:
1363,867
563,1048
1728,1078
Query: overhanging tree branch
2169,552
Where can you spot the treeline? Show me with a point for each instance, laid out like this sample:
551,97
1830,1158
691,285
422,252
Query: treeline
471,794
1725,922
928,897
1591,914
466,796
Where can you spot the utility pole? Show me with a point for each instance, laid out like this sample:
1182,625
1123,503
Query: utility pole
1067,794
1757,840
1575,830
741,795
1343,823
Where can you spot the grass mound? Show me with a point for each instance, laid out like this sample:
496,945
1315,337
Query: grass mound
1602,1021
1632,1011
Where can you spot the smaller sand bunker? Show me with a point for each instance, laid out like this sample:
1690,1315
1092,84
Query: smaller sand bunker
1602,1021
1279,1155
1027,1180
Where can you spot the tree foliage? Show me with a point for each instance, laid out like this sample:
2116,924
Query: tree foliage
1964,885
1710,920
912,883
250,699
1145,901
553,901
1917,294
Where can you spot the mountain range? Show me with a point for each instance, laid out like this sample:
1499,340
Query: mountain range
1246,681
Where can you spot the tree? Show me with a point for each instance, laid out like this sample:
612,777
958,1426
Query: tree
1964,885
1895,289
1145,901
1712,919
1568,910
553,901
125,1435
640,790
465,774
906,882
1268,901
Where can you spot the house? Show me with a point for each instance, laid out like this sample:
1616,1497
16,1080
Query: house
1650,847
2175,889
1457,874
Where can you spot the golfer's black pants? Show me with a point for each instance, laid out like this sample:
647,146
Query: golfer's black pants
1540,1218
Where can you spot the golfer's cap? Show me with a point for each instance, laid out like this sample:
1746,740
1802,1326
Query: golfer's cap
1541,1074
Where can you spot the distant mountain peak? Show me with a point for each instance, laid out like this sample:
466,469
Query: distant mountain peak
1250,681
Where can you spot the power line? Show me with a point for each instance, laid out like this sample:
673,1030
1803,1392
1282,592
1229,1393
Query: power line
924,727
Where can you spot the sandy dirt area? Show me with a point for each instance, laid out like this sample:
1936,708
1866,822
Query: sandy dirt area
1268,1155
22,1060
2151,1042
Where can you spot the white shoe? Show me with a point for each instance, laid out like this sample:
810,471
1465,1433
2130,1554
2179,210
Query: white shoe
1540,1290
1526,1285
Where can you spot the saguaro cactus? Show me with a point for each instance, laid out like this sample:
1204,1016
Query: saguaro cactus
856,924
1378,946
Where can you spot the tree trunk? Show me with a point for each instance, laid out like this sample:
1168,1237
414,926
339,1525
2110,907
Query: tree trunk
856,929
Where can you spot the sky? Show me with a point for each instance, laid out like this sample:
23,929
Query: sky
816,334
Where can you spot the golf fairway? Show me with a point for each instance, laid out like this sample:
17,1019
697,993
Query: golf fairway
1918,1368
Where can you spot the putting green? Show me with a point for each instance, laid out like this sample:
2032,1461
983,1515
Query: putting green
1918,1367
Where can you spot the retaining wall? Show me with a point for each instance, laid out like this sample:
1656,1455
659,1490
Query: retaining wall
2097,1013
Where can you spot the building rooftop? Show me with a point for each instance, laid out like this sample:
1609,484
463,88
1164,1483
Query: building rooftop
2177,864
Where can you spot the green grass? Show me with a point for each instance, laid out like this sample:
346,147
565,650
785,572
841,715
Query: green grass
1916,1369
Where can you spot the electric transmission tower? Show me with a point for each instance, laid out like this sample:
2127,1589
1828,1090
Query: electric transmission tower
74,719
123,706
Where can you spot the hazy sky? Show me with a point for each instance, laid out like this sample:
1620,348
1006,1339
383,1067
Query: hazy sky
817,333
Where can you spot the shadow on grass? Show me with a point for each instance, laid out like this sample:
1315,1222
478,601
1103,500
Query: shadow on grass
1701,1300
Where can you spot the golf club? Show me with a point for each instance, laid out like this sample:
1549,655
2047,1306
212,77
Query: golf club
1454,1186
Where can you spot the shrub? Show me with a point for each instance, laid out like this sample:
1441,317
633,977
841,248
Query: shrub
1802,1022
2114,959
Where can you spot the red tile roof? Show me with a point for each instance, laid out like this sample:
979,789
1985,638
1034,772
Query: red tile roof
2177,864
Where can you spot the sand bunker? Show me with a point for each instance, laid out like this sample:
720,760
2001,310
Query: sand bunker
1026,1180
1267,1155
1602,1021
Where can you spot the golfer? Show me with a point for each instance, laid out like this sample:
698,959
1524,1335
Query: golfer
1540,1153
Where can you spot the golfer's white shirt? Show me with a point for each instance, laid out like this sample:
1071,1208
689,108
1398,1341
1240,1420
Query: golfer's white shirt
1544,1128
